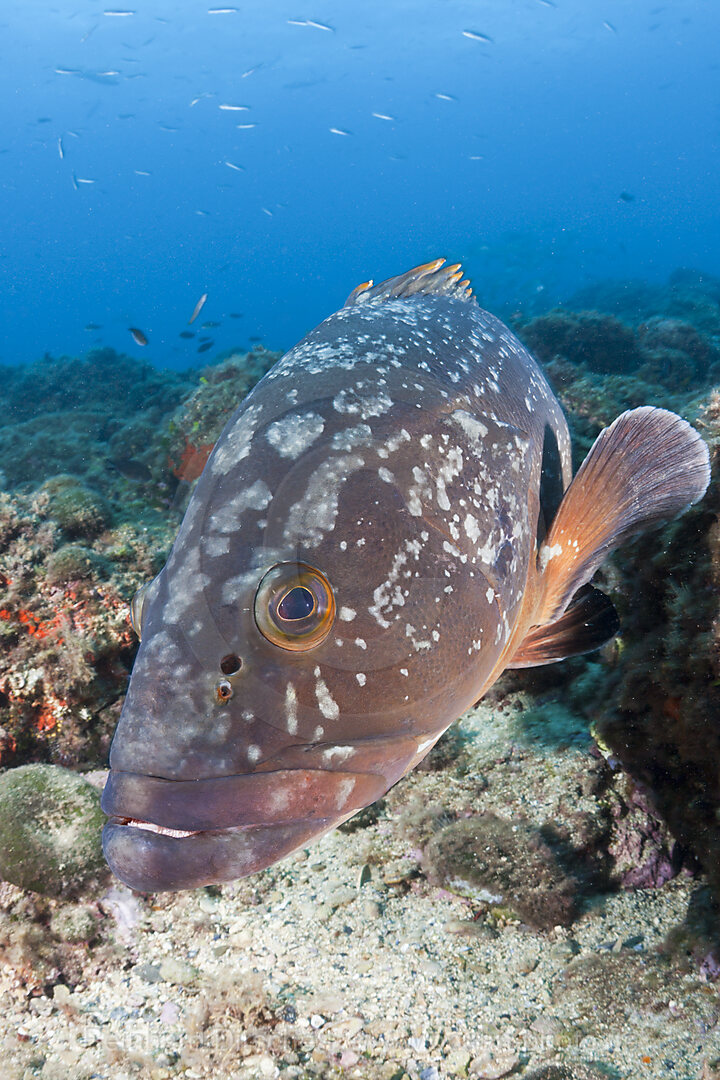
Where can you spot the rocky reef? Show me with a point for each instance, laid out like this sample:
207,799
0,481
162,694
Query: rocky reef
98,455
655,715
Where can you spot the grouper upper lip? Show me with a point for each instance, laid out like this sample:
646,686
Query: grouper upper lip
282,796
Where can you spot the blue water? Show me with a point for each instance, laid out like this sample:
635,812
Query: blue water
510,154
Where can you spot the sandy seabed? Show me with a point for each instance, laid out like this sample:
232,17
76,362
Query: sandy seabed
345,961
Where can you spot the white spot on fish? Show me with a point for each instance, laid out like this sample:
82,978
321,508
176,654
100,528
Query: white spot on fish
226,518
361,678
342,753
291,709
546,554
314,514
293,434
326,703
347,614
354,402
236,442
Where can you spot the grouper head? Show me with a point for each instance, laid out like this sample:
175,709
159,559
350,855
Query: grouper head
312,634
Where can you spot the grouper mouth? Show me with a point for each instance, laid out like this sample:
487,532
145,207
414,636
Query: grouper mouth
152,827
165,834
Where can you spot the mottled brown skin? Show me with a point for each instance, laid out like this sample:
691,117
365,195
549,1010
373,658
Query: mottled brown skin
398,451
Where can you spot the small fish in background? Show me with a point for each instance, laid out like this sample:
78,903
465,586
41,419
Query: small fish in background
236,314
187,334
61,151
626,196
205,346
93,326
386,524
475,35
211,324
130,469
200,304
138,336
311,22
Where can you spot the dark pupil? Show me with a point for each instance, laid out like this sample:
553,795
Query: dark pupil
296,604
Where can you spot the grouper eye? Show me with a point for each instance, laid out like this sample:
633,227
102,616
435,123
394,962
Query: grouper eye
294,606
136,608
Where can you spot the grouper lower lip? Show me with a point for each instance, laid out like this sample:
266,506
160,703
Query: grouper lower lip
155,861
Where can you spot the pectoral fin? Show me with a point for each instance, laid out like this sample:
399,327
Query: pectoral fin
647,466
588,622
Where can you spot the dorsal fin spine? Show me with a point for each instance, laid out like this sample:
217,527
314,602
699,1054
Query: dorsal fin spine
430,279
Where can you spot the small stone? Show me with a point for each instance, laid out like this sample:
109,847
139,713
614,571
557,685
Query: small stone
317,1021
62,995
346,1029
74,923
371,909
341,896
493,1066
169,1013
456,1062
364,876
149,973
177,972
430,1073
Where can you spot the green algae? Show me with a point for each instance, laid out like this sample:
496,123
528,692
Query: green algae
50,823
79,511
74,562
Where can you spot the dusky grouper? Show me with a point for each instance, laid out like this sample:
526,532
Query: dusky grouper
386,523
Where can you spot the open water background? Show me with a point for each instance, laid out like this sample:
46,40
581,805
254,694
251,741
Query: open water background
544,144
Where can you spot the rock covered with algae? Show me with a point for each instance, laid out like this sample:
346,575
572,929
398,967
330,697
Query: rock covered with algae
656,715
50,823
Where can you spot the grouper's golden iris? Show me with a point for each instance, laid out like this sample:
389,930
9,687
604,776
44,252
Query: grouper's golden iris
294,606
